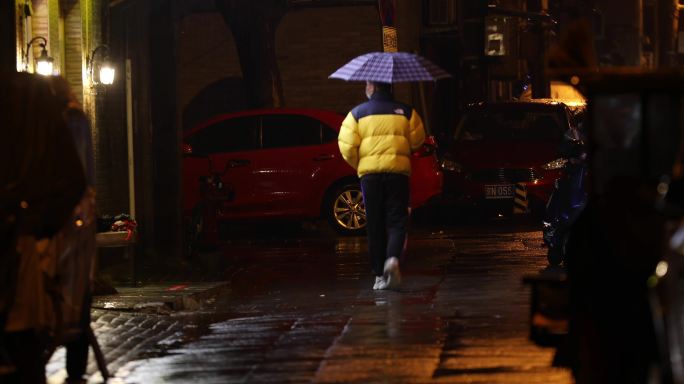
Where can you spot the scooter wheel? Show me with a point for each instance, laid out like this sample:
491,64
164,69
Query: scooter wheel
556,254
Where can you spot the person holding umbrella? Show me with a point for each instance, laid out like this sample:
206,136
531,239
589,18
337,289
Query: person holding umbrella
376,139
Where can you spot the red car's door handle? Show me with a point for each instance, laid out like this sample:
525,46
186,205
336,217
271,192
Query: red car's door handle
324,157
238,162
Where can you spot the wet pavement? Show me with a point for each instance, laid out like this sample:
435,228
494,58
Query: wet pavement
300,308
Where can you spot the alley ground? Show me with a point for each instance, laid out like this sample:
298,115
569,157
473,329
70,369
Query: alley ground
299,307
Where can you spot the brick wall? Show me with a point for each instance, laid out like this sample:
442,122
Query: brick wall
28,25
54,34
73,52
310,45
19,33
46,23
39,25
105,105
110,147
73,30
206,53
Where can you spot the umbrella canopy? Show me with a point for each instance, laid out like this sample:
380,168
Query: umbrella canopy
390,67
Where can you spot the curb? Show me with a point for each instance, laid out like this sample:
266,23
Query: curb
164,298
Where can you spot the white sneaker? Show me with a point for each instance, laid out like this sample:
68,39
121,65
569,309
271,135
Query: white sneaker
380,283
392,274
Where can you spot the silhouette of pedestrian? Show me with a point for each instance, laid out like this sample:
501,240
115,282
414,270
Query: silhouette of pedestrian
41,181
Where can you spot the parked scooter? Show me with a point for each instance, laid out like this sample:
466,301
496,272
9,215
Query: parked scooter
619,298
568,198
664,285
203,226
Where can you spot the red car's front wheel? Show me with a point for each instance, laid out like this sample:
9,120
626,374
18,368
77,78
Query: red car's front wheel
346,211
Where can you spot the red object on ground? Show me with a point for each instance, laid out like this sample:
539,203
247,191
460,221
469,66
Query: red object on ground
178,287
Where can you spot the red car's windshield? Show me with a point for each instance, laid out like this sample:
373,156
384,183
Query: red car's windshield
510,125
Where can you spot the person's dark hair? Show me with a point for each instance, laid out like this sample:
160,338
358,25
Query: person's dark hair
383,87
63,93
77,122
43,168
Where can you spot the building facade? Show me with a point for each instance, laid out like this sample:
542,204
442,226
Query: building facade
179,62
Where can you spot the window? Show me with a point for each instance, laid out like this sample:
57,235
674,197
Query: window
511,125
329,134
280,131
232,135
440,12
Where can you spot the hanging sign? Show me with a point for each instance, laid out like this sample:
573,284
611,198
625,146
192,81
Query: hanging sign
389,39
387,11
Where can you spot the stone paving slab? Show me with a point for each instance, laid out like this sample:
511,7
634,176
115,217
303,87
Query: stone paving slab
137,320
160,297
460,317
122,336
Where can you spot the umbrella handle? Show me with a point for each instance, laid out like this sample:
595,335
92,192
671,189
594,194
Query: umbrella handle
423,104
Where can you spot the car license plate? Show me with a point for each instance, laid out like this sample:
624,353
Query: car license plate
499,191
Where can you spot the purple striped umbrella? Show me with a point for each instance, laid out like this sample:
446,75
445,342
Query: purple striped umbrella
390,67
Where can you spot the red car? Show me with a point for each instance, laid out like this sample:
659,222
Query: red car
497,145
285,163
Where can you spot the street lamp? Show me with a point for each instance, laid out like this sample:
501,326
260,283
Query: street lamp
105,70
44,63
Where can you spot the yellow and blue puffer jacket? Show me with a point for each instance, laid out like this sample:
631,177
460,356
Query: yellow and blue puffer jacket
379,135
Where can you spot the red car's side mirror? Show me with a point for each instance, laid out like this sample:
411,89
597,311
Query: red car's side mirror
431,141
428,148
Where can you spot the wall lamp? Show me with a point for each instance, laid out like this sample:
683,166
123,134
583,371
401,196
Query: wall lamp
103,68
44,63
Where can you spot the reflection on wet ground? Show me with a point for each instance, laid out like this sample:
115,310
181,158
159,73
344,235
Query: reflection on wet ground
303,310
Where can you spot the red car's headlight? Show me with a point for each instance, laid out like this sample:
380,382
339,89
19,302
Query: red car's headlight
450,165
425,150
554,165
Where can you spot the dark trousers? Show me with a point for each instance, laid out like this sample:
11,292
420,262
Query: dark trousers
386,196
26,350
77,349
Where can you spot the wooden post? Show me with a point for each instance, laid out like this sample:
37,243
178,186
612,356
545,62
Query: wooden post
129,139
667,17
8,40
166,154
